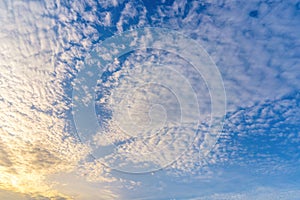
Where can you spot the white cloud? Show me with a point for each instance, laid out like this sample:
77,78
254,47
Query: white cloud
257,64
254,55
33,140
261,193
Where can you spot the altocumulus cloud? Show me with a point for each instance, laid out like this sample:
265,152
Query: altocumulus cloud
33,141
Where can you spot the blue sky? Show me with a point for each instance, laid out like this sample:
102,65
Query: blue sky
201,96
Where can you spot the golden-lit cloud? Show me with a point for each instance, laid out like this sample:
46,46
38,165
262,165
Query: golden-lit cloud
33,142
42,47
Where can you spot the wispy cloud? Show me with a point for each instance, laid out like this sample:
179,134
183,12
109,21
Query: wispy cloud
261,193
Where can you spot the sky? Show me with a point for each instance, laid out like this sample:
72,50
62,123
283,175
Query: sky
149,99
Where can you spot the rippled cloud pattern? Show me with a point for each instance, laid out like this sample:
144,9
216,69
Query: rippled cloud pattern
149,99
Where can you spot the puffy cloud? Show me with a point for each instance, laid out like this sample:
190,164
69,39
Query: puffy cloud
34,142
254,54
258,65
265,137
